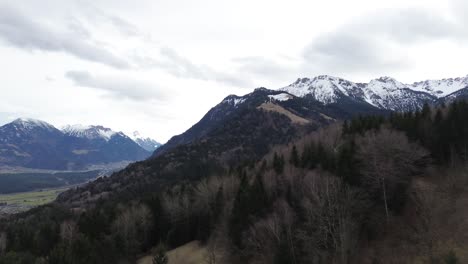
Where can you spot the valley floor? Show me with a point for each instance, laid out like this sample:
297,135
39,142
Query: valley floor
20,202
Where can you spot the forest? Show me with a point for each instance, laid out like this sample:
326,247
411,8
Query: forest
373,189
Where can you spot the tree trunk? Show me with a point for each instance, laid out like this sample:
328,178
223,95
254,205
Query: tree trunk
385,198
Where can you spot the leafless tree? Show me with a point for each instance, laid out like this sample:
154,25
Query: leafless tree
265,236
330,207
388,158
68,230
132,225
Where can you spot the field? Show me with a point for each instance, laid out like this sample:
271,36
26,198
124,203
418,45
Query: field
31,181
19,202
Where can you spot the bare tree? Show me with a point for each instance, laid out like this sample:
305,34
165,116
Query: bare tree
266,235
68,230
388,158
132,226
330,207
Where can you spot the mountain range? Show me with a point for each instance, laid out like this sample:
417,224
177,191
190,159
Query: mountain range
242,129
327,98
37,144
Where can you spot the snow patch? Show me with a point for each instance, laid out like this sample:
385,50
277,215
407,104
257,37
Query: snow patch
234,101
281,97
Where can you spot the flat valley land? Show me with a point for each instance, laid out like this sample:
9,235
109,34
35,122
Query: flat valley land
20,202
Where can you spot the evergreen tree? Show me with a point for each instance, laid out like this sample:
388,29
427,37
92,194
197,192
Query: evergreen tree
294,159
278,163
240,212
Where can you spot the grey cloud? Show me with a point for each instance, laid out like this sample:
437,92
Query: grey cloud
97,16
376,42
117,86
124,27
179,66
263,67
21,31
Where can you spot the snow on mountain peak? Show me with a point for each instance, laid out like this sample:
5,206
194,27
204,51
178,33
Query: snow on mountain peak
90,132
323,88
147,143
441,88
378,92
30,123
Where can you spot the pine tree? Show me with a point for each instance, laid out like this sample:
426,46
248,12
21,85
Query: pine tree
294,159
240,212
278,163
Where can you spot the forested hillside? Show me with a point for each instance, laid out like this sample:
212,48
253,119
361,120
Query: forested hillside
370,190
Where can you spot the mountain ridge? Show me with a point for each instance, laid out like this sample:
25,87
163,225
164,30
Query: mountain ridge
33,143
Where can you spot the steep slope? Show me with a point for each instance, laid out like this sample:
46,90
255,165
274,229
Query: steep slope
299,103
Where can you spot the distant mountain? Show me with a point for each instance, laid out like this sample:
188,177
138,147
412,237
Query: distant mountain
89,132
383,93
147,143
33,143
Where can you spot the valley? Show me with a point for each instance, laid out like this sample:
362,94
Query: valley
19,202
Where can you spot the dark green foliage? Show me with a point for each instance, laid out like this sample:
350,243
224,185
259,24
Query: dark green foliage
294,159
451,258
239,215
251,201
17,258
278,163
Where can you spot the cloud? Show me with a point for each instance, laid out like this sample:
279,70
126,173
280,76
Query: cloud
118,86
125,27
22,32
173,63
264,67
378,42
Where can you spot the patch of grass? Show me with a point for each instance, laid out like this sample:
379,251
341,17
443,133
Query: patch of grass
17,202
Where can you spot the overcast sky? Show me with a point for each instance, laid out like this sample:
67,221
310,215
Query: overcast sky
158,66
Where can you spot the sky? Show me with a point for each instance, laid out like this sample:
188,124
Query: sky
158,66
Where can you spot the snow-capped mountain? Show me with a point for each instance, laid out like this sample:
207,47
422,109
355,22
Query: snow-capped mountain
384,93
34,143
90,132
26,129
147,143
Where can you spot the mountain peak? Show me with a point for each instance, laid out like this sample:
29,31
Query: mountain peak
90,132
323,88
147,143
30,123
